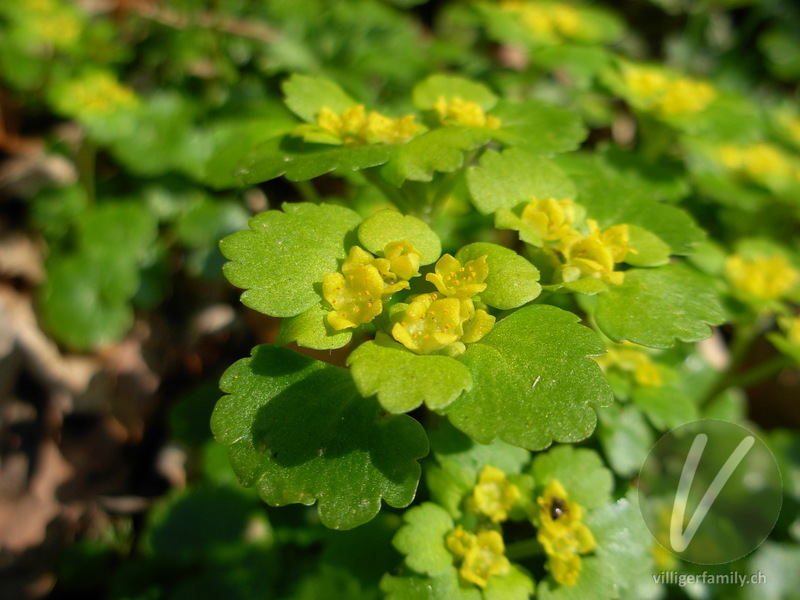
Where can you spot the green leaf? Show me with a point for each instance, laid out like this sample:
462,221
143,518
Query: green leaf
126,228
512,280
404,380
299,431
299,161
650,250
422,539
310,329
427,92
656,307
666,406
388,225
537,127
306,96
440,150
532,381
610,201
626,438
281,260
86,299
776,561
580,470
507,179
517,584
415,587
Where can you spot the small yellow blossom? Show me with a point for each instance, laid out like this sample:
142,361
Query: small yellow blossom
482,556
100,94
462,112
562,533
355,126
632,360
595,255
551,20
760,162
453,279
794,129
493,495
644,82
549,218
762,277
430,324
685,95
356,293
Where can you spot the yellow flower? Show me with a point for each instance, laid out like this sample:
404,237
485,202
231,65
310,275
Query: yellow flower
493,495
632,360
404,259
452,279
100,94
550,219
482,555
645,82
762,277
430,324
355,126
594,255
547,20
685,95
461,112
765,159
566,19
562,533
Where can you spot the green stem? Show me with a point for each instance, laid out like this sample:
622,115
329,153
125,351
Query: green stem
766,370
394,195
743,339
87,156
523,549
307,191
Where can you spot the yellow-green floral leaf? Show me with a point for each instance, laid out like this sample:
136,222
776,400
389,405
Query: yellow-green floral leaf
533,382
403,380
299,432
428,92
537,127
307,96
513,177
387,226
512,280
310,329
646,248
657,307
281,260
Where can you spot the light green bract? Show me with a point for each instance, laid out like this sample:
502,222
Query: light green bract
299,432
532,381
657,307
512,280
387,226
282,258
403,380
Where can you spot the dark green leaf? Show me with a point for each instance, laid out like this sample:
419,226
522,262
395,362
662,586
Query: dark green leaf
299,431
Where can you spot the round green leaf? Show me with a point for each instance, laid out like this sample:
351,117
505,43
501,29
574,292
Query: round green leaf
647,249
533,381
507,179
538,128
299,431
580,470
404,380
306,96
427,92
283,257
656,307
388,225
422,539
512,280
310,329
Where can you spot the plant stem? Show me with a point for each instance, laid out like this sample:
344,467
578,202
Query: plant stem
394,195
307,191
523,549
87,155
765,370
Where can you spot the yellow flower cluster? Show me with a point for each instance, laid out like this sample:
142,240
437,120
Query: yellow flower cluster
768,278
446,320
562,533
461,112
355,126
482,555
760,161
592,255
100,94
629,359
665,94
493,495
552,20
356,293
